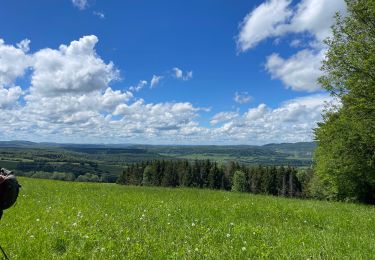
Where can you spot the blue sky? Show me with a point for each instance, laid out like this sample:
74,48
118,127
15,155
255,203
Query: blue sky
238,72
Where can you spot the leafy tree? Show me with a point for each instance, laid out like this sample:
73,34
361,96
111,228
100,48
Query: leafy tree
345,156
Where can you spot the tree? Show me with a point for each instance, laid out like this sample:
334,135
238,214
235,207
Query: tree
148,173
345,155
239,182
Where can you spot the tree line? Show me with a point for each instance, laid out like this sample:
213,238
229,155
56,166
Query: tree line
345,155
272,180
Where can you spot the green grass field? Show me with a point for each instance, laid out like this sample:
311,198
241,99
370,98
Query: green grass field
102,221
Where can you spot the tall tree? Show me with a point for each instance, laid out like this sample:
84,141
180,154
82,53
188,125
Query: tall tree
345,156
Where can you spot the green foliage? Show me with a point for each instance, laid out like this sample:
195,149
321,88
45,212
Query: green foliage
345,156
239,182
88,177
71,220
278,181
148,174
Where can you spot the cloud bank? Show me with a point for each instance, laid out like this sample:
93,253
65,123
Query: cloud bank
309,20
70,98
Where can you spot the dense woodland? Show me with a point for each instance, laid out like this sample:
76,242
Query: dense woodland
280,181
345,155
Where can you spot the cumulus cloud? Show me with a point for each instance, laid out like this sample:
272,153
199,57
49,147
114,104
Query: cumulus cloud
9,97
292,121
80,4
242,97
180,74
155,80
223,117
315,17
13,61
298,72
263,22
275,18
83,107
71,69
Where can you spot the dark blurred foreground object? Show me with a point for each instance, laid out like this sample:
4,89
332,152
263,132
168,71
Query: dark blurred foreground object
9,189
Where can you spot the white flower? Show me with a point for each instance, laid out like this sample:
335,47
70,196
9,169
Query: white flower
74,224
37,220
243,248
228,235
193,224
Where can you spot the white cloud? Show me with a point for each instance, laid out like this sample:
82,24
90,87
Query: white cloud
275,18
180,74
298,72
80,4
316,17
84,107
141,84
24,45
71,69
223,117
155,80
13,61
263,22
177,73
291,122
9,97
242,97
101,15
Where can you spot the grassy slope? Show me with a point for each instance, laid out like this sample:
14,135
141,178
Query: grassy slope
59,219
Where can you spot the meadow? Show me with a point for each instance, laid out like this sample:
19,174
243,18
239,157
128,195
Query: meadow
70,220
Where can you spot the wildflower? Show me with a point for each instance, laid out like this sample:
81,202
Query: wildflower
74,224
228,235
232,224
243,248
37,220
193,224
128,238
31,236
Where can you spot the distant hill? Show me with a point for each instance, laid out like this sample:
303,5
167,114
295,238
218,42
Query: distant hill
297,154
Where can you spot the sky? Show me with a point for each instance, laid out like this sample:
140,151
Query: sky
163,72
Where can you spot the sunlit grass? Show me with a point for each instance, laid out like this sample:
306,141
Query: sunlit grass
81,220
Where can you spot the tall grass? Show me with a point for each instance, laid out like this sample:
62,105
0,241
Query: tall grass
55,219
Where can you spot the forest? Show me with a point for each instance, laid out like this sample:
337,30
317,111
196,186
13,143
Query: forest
271,180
